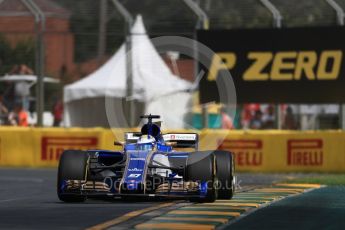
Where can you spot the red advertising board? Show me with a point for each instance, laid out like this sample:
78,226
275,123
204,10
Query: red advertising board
52,147
305,152
247,152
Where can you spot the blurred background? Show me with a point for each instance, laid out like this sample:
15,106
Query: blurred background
63,42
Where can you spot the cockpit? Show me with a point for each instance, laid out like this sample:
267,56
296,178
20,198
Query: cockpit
145,147
149,138
146,143
152,130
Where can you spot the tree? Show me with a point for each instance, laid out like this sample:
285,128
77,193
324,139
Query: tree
22,53
5,55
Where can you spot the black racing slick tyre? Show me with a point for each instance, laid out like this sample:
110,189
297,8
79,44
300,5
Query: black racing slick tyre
201,167
225,174
72,166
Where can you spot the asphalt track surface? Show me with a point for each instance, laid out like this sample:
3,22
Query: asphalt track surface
28,201
323,208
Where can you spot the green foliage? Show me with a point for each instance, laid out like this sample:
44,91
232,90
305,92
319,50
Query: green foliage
325,179
84,25
22,53
5,55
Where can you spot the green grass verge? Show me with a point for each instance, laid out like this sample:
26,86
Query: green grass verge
324,179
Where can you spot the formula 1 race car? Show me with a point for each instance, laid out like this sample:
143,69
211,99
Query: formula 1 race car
148,166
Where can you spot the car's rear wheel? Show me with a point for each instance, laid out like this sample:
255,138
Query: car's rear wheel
72,166
201,167
225,174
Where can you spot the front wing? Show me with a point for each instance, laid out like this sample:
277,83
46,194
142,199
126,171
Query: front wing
172,190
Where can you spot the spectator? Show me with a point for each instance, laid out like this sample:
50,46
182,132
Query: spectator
246,117
256,122
22,93
24,69
269,118
22,88
21,69
22,116
289,120
12,118
248,114
227,122
58,113
253,107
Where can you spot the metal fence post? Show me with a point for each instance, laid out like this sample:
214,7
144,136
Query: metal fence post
203,20
202,23
340,20
339,11
277,17
40,25
102,29
277,23
129,91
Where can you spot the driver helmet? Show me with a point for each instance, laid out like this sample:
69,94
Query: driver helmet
146,142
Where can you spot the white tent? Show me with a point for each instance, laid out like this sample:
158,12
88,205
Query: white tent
154,86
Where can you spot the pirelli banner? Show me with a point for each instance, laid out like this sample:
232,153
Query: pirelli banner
254,151
35,147
283,151
297,65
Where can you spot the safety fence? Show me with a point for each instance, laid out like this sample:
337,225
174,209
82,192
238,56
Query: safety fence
254,151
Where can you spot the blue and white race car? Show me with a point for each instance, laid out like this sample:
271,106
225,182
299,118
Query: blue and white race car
148,166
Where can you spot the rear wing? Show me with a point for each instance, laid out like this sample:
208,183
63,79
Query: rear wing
180,140
183,140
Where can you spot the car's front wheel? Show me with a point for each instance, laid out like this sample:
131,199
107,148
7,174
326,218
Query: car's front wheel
201,167
225,174
72,166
